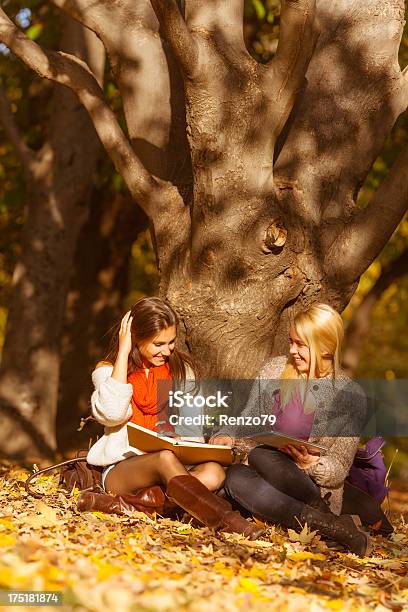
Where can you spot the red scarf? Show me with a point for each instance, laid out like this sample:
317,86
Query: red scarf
148,408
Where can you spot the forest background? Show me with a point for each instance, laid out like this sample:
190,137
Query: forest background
115,262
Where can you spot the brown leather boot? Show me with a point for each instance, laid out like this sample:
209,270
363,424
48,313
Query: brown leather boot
148,500
215,512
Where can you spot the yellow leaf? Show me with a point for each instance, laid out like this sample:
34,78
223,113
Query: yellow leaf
398,538
106,570
247,585
99,515
54,578
18,475
16,573
258,572
7,578
184,529
227,571
7,540
218,565
6,522
47,484
256,543
207,550
335,604
304,537
302,556
45,517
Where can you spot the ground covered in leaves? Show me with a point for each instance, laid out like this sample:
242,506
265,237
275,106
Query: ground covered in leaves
102,562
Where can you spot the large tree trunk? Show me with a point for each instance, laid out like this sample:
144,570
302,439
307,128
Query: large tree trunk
278,155
242,288
95,300
61,178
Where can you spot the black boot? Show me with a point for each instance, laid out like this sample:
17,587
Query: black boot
341,529
368,509
321,503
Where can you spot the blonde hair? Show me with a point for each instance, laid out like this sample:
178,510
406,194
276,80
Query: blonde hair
321,328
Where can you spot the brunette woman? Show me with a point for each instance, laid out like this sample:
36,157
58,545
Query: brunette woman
126,388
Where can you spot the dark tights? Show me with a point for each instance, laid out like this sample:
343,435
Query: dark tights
272,486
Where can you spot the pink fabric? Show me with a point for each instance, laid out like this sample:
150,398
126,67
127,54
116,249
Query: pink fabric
292,419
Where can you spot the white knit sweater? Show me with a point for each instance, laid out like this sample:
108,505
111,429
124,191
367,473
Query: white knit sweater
111,406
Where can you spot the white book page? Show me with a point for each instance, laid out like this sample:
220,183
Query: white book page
173,441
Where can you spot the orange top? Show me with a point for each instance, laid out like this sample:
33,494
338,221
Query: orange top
149,399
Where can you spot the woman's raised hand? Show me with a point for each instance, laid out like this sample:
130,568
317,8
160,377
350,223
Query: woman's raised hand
125,336
120,366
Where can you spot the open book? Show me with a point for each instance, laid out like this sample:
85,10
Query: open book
277,440
189,453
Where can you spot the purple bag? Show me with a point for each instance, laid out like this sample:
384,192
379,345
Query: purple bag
368,471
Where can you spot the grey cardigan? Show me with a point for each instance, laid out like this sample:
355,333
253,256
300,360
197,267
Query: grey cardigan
339,419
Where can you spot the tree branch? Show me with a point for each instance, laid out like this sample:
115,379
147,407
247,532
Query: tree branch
149,80
347,107
359,325
177,33
72,72
222,21
297,39
361,240
81,10
10,127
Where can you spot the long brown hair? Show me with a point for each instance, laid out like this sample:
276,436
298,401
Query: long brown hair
150,316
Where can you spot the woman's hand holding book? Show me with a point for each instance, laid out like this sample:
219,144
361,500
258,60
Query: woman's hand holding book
300,455
221,439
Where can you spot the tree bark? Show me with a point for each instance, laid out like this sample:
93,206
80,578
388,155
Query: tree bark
61,177
241,296
95,300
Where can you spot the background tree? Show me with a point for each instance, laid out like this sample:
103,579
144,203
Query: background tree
59,178
96,297
375,340
359,326
269,222
99,275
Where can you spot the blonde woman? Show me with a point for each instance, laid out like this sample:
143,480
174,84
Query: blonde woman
315,401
